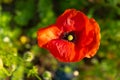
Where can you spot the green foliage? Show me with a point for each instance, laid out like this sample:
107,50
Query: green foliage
18,74
46,13
22,59
24,11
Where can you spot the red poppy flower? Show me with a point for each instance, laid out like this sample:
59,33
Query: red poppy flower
73,37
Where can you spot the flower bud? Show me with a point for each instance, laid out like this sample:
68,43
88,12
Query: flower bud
28,56
47,75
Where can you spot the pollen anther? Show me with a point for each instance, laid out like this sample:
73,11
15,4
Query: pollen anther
70,37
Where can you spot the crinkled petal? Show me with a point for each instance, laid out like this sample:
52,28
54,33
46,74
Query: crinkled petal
95,43
71,20
65,51
47,34
61,49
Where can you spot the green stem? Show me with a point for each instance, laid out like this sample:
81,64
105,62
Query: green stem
6,72
38,77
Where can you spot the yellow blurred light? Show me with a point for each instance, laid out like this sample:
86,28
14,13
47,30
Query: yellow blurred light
1,63
6,39
75,73
24,39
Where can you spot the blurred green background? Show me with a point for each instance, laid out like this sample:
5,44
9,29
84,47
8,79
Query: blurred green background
22,59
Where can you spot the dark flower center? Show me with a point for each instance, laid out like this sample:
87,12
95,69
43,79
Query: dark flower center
70,36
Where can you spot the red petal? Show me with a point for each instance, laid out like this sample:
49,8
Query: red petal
72,20
47,34
94,45
65,51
